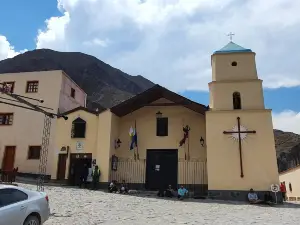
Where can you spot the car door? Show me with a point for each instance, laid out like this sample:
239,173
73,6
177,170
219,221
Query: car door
13,206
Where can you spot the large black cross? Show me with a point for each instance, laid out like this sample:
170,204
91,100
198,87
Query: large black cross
239,132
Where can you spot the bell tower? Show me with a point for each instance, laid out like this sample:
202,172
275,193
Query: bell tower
234,77
240,141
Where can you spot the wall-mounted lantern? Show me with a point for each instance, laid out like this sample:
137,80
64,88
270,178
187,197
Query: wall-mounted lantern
202,141
118,143
158,114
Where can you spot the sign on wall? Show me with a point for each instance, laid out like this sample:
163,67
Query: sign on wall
79,145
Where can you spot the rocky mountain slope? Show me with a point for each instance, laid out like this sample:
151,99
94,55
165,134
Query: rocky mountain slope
103,84
108,86
287,149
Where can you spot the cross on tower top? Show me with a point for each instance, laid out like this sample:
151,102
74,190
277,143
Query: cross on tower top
230,35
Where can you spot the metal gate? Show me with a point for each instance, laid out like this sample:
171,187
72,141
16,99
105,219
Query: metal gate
192,174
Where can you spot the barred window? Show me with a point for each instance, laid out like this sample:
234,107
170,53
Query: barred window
6,118
32,86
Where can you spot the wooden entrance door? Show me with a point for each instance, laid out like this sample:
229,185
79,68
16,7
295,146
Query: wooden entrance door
161,169
61,166
9,158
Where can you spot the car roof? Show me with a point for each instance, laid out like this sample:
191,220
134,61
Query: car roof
2,186
7,186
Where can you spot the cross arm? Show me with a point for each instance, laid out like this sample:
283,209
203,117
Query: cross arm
241,132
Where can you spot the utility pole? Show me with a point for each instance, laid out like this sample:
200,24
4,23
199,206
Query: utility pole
4,89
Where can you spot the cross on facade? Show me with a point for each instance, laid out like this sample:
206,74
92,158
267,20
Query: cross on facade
239,132
230,35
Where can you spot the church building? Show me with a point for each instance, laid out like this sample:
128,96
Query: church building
159,138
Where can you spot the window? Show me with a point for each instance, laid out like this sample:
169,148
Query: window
234,64
72,92
6,118
10,196
290,187
162,126
78,128
9,86
236,97
32,86
34,152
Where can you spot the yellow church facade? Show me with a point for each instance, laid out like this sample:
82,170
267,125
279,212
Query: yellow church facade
158,117
159,138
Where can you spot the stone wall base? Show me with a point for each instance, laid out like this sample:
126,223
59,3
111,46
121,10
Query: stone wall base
238,195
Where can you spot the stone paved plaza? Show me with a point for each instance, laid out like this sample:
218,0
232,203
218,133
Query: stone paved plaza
72,206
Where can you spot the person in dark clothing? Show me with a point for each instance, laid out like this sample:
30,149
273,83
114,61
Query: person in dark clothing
123,188
268,198
113,187
169,192
84,175
95,176
161,191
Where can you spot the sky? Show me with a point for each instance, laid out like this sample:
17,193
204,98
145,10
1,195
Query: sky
168,41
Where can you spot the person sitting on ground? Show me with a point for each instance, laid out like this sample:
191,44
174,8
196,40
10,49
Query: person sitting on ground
269,198
169,192
182,192
123,189
253,198
113,187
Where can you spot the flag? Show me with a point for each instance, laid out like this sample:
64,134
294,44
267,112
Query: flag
133,138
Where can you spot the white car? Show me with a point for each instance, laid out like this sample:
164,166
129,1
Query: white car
19,206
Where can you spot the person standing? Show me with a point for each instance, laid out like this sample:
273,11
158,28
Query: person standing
95,177
283,191
84,175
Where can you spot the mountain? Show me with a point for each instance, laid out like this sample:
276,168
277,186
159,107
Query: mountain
108,86
103,83
287,149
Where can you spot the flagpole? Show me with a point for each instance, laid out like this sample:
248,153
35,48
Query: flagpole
188,146
134,155
137,146
184,145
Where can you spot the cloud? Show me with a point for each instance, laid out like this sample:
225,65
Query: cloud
175,38
6,49
287,121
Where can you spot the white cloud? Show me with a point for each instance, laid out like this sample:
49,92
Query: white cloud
6,49
174,38
287,121
55,35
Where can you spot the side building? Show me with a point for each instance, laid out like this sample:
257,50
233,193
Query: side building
290,178
21,129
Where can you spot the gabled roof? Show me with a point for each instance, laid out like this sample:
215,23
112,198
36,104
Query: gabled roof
84,109
152,94
232,47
